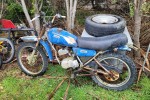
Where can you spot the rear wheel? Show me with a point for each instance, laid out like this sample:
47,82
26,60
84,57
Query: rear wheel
32,65
122,72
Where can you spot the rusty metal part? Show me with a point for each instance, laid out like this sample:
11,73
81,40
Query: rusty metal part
54,91
100,52
96,71
112,78
66,92
85,74
57,77
55,52
76,82
101,65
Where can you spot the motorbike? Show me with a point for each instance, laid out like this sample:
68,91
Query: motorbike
98,56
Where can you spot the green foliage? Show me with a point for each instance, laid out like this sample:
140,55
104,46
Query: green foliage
131,9
114,1
146,7
81,15
13,87
14,12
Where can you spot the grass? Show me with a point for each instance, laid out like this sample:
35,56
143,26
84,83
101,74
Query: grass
17,86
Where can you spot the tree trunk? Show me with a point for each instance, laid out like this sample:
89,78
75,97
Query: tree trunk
71,6
137,24
2,8
74,13
37,21
26,13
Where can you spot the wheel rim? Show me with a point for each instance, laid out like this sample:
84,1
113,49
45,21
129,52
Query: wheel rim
124,76
7,50
37,61
103,19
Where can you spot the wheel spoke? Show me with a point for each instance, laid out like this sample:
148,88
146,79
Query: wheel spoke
36,64
122,71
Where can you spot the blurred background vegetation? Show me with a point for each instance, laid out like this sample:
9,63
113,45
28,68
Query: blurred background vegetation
125,8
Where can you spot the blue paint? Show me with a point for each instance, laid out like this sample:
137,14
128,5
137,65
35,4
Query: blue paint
62,37
124,48
84,52
47,47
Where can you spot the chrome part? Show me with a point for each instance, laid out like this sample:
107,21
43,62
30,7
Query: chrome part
105,19
29,38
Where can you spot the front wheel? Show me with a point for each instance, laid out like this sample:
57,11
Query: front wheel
122,69
32,65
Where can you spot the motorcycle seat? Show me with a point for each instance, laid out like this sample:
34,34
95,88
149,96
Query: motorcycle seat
102,43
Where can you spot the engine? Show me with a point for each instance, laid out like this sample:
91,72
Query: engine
67,61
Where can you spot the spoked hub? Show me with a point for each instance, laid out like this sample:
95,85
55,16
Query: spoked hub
113,76
32,59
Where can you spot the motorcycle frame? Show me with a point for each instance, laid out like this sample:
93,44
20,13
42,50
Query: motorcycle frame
48,46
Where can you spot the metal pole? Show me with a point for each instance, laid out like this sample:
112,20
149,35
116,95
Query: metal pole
146,56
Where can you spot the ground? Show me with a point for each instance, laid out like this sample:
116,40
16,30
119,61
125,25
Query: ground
14,85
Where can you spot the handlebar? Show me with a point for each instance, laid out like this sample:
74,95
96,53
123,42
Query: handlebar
43,15
46,24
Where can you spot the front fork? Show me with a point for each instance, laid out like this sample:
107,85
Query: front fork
47,48
33,52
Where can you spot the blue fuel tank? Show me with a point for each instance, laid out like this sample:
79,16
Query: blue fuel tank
62,37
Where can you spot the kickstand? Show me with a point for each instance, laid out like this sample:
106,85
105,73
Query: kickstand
72,76
54,91
76,82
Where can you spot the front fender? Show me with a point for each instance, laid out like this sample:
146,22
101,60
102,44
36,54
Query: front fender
48,49
29,38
